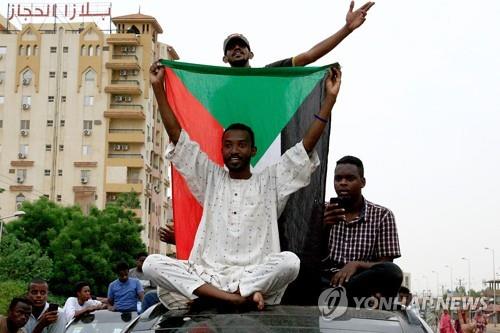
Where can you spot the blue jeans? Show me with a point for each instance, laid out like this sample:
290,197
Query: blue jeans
150,299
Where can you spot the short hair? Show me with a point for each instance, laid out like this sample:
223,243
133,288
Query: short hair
37,281
141,254
404,290
242,127
121,266
17,300
354,161
79,286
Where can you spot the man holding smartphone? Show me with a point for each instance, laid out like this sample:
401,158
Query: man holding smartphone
45,317
362,238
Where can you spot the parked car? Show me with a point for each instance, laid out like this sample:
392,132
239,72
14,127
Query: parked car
278,318
101,321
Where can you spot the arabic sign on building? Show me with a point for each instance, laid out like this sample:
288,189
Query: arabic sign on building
62,11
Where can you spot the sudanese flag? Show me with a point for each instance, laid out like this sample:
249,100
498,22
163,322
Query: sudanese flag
279,105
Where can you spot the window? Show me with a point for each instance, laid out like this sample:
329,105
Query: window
19,200
88,100
63,98
53,49
85,176
59,172
65,49
90,49
21,173
52,74
35,50
25,124
90,75
28,50
26,100
63,122
23,149
82,50
86,150
65,75
48,147
51,98
87,124
46,172
50,123
59,197
97,50
61,147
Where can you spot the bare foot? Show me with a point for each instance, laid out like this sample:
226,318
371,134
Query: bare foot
258,299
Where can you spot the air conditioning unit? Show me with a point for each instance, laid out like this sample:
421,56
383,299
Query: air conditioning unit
131,48
123,72
87,132
26,106
124,147
124,49
128,99
84,180
26,82
25,132
117,147
21,156
157,188
20,179
118,98
112,197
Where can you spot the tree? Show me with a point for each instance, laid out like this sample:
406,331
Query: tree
82,247
23,261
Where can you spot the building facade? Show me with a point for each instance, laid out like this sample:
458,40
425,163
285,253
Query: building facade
78,119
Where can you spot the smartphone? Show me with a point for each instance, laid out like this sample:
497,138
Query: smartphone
53,307
337,201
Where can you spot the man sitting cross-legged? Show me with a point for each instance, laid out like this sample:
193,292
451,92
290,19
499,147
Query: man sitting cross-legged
236,254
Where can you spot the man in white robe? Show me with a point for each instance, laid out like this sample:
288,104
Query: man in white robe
236,254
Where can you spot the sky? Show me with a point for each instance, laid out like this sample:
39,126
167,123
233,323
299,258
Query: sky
419,104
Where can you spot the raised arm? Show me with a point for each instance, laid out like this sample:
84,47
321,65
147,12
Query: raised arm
353,20
157,76
332,86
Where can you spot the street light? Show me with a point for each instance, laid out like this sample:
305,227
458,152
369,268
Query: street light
16,214
494,285
437,283
468,262
451,278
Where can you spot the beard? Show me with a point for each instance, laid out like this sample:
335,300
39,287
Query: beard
238,165
239,63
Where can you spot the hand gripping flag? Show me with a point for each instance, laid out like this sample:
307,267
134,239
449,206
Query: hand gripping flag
279,105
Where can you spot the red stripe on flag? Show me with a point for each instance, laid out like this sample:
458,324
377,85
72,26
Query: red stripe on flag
202,127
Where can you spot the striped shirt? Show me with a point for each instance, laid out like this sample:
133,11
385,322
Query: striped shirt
372,236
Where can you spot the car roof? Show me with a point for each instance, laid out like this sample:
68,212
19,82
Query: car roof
277,318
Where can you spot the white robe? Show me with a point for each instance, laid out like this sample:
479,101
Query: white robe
238,231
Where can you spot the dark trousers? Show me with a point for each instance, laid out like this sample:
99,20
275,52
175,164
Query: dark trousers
382,279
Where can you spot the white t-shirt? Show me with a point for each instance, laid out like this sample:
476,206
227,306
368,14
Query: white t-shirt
71,306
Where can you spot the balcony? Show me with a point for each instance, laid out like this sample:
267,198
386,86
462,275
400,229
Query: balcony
123,61
127,135
132,185
131,160
127,87
125,111
123,39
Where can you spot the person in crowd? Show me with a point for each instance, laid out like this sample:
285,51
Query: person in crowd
445,325
136,272
236,256
45,317
126,292
17,316
362,239
82,303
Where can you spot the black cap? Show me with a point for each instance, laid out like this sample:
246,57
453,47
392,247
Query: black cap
233,37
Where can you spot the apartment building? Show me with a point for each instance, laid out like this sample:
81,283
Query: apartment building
78,119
